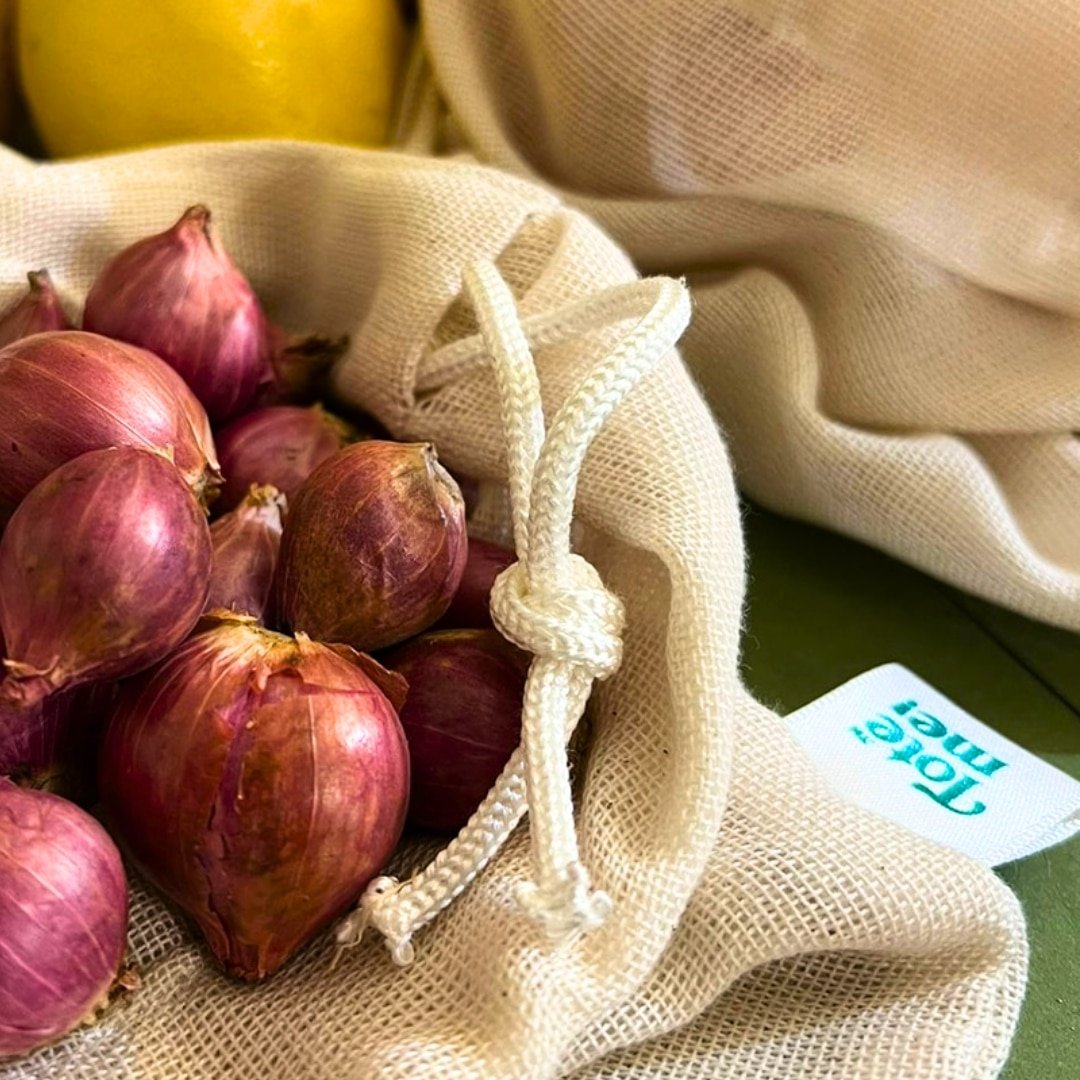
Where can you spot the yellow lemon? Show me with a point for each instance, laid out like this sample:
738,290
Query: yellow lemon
106,74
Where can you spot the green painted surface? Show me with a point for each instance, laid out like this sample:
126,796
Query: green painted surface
822,609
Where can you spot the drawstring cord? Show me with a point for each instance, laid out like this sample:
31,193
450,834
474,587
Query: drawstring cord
551,602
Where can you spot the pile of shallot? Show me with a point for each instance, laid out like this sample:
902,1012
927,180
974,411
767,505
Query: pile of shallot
197,562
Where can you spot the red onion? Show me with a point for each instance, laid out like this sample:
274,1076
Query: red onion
471,605
179,295
64,393
462,719
63,917
246,542
36,311
260,782
279,445
374,546
104,569
52,745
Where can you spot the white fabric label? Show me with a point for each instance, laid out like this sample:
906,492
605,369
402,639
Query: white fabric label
891,743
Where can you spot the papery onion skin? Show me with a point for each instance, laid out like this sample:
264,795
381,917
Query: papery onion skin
260,782
52,745
68,392
302,364
35,312
462,719
280,445
246,542
104,569
63,917
178,294
471,605
374,546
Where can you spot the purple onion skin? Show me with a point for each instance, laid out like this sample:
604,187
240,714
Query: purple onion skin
471,605
63,917
52,745
462,719
65,393
279,445
246,542
260,782
178,294
374,546
104,569
35,312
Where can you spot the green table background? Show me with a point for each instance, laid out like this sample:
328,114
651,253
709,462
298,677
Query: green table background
822,609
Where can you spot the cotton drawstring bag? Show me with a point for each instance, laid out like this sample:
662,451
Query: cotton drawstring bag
690,900
875,205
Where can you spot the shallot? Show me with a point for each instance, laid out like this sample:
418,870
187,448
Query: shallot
178,294
246,543
64,393
374,546
104,568
279,445
52,745
36,311
462,719
471,605
63,917
260,781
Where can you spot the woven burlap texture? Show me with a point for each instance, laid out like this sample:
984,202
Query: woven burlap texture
875,205
758,926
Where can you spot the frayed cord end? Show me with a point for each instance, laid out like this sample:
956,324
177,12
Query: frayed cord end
567,906
371,911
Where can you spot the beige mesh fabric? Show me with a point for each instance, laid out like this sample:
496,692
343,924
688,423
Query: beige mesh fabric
759,926
876,205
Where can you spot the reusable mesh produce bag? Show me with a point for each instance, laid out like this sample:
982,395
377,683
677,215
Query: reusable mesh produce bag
875,204
725,915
